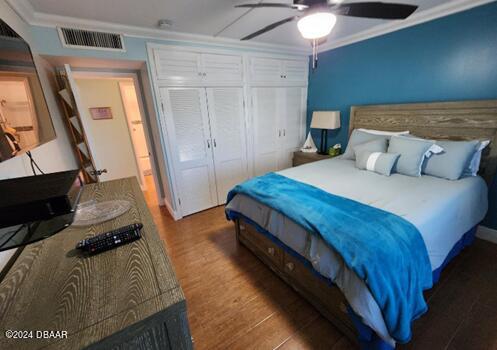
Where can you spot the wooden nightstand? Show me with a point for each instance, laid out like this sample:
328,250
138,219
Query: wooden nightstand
300,158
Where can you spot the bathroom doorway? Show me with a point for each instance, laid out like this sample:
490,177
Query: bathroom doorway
135,127
113,118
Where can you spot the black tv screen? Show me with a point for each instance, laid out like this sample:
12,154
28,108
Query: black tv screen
25,121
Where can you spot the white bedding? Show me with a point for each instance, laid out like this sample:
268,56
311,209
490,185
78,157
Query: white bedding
441,210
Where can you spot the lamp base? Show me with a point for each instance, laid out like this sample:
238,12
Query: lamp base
324,142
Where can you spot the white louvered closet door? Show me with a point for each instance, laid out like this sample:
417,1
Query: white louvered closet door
188,131
266,131
292,123
222,69
178,67
227,121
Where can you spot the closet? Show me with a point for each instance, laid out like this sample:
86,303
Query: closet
279,126
179,67
225,118
207,134
278,71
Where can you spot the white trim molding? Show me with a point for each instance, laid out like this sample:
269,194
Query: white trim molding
25,10
435,12
487,233
176,216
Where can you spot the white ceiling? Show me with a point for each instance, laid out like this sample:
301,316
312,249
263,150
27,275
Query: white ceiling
212,17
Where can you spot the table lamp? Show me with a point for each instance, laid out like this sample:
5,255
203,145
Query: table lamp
325,120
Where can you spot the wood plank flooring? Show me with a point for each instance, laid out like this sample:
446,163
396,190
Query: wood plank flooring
235,302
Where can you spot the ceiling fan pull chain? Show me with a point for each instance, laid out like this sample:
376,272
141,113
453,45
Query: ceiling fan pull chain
314,54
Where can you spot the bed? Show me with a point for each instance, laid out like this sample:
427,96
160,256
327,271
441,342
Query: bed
445,212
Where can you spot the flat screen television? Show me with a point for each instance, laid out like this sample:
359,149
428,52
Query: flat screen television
25,121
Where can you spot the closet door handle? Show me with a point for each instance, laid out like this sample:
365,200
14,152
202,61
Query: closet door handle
208,144
214,141
279,133
284,132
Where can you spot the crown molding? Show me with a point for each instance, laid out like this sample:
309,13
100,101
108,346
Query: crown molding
23,8
417,18
32,17
26,11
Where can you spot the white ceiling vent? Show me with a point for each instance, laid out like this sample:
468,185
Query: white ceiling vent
87,39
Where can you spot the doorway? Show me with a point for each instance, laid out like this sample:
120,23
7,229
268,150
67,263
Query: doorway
17,112
112,115
135,126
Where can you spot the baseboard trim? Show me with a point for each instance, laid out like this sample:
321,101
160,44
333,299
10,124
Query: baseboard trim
487,233
171,211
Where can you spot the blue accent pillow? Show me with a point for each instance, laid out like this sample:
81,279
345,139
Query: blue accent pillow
378,145
413,152
358,137
450,163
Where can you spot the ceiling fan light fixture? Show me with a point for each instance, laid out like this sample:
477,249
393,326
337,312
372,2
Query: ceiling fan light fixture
316,25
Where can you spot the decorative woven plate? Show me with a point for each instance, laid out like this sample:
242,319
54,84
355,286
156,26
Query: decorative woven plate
91,212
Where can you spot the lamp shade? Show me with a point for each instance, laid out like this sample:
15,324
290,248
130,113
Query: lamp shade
325,120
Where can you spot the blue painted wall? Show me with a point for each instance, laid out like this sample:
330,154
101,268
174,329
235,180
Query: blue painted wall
452,58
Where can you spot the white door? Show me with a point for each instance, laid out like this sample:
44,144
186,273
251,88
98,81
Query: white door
222,69
177,67
292,123
227,122
70,95
265,70
266,131
109,139
295,71
188,133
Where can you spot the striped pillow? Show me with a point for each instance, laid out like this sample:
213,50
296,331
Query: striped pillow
381,163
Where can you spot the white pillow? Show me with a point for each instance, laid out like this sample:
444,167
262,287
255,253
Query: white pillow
381,132
474,163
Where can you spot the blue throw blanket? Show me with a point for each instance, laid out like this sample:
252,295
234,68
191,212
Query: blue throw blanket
383,249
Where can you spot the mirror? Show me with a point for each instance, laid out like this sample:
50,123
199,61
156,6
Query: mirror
25,121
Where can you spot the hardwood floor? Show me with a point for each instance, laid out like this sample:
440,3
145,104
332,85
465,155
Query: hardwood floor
235,302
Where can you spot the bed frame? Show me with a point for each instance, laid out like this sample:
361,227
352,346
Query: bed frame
462,120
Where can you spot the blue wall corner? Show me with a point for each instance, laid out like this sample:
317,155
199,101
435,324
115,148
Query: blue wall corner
451,58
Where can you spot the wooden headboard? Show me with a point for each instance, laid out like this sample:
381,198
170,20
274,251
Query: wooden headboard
464,120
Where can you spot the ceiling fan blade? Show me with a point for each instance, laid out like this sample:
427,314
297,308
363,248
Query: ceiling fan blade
379,10
268,4
269,27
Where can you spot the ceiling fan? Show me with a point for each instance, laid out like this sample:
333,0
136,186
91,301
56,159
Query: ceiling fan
318,17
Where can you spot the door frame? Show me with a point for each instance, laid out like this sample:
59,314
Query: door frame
90,74
128,123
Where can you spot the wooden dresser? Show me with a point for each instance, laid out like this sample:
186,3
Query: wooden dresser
300,158
126,298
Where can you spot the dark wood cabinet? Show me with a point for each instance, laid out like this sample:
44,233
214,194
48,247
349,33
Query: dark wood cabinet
125,298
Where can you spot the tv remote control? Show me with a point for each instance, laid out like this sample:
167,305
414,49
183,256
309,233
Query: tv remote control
111,239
